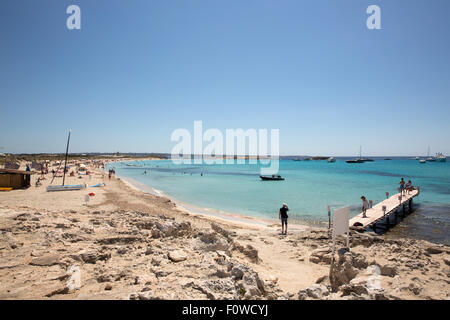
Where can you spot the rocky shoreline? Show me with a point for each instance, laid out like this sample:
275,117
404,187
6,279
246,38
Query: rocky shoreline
100,254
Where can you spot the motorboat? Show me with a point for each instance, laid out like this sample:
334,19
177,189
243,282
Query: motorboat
272,178
331,159
440,157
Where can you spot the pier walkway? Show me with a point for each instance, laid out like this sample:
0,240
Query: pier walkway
377,214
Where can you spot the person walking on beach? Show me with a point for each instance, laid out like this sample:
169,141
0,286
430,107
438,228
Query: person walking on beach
284,218
365,206
402,186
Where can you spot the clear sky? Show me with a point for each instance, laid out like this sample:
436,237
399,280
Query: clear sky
138,69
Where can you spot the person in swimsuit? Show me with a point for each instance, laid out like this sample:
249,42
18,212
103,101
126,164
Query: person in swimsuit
284,218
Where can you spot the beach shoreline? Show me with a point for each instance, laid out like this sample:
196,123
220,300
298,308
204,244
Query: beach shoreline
214,214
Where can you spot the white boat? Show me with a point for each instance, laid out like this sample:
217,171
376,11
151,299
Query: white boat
440,157
66,187
331,159
422,161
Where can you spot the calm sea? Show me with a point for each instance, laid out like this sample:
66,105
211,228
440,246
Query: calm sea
309,187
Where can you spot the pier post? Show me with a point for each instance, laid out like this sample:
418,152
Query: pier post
384,216
329,218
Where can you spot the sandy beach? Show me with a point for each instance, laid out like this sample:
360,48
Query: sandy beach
129,244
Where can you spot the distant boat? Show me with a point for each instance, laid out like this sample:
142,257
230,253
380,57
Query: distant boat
331,159
354,161
271,178
430,159
387,159
360,159
440,157
423,161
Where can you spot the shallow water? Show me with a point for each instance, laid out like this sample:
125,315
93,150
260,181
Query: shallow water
309,187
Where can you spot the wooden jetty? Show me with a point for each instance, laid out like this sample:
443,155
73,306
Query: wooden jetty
391,205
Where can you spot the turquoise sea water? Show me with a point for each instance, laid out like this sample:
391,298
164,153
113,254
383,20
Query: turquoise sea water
309,186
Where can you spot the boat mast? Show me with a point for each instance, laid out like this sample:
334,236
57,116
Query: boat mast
65,162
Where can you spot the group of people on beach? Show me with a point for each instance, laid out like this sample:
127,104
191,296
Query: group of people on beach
111,172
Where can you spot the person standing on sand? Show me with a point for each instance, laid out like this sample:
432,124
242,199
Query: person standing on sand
365,206
284,218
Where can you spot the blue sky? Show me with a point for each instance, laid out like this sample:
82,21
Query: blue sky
139,69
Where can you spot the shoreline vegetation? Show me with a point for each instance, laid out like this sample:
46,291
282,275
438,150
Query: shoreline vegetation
125,243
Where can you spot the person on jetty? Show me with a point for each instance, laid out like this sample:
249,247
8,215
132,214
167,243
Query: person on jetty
409,186
284,218
365,206
402,186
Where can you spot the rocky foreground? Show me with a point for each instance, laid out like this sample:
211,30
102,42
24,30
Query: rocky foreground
118,254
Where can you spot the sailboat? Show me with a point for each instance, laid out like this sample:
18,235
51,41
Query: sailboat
430,159
360,159
66,187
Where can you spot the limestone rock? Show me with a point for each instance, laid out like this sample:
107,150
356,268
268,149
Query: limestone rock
220,230
447,261
434,250
316,291
48,260
90,256
177,256
343,270
389,270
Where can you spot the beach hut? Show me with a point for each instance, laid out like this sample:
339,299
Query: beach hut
10,178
